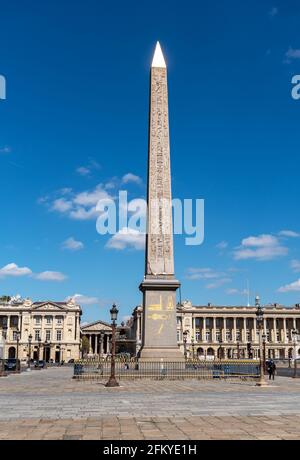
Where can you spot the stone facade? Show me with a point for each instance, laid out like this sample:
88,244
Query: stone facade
229,331
56,324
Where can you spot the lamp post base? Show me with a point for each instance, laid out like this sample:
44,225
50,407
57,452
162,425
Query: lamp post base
261,383
112,383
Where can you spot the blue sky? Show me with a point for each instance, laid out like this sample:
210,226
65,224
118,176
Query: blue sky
74,127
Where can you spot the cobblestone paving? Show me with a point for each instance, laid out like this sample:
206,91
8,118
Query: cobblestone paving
48,404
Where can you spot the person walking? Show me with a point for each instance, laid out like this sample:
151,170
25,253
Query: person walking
271,370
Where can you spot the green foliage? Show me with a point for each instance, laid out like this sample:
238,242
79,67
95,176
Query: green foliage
85,344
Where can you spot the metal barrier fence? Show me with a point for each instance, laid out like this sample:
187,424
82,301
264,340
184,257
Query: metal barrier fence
159,370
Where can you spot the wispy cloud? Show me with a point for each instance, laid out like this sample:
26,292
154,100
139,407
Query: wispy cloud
72,244
88,169
127,238
84,299
202,273
289,234
292,287
129,177
222,245
50,276
295,265
262,247
291,55
218,283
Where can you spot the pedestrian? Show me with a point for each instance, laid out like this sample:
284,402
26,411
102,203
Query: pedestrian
271,370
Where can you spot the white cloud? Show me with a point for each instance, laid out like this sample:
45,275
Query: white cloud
50,276
83,171
289,234
235,291
262,247
72,244
83,299
127,238
292,287
129,177
91,197
13,269
61,205
295,265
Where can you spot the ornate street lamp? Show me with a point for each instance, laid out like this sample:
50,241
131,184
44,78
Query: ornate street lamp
112,380
295,343
29,350
185,333
260,321
238,350
264,340
18,335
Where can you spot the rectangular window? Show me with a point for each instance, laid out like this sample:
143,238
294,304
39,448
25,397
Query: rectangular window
207,336
59,320
58,335
218,336
197,336
228,335
48,335
15,335
36,335
48,319
178,336
37,319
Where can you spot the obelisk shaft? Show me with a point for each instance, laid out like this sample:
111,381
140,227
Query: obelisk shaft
159,285
159,243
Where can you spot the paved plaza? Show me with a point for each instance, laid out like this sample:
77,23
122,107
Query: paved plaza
48,404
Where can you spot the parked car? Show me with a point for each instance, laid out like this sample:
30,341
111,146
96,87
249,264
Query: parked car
10,364
40,364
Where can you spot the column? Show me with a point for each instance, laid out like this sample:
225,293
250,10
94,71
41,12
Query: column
284,330
294,323
245,329
137,334
214,329
254,328
97,344
90,340
275,330
224,329
204,330
234,330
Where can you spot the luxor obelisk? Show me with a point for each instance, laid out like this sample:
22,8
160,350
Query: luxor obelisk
159,285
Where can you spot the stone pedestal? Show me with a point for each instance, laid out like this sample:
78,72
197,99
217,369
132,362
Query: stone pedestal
160,328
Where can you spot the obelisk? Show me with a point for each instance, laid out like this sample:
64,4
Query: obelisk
159,285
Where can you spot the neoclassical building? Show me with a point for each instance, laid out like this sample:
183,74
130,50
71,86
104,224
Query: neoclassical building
99,335
229,331
50,330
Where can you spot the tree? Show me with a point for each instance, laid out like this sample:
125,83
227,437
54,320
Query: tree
85,345
5,298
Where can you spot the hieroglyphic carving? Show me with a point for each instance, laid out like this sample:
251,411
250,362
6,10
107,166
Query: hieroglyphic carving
159,251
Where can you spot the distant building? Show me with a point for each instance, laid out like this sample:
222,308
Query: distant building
229,331
53,326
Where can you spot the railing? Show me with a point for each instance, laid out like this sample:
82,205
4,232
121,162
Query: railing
159,370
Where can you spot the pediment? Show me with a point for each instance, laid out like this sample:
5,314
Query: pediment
98,326
49,306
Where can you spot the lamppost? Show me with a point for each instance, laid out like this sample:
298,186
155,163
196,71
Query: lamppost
38,353
29,351
264,339
295,342
18,335
260,320
185,333
193,347
112,380
220,350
